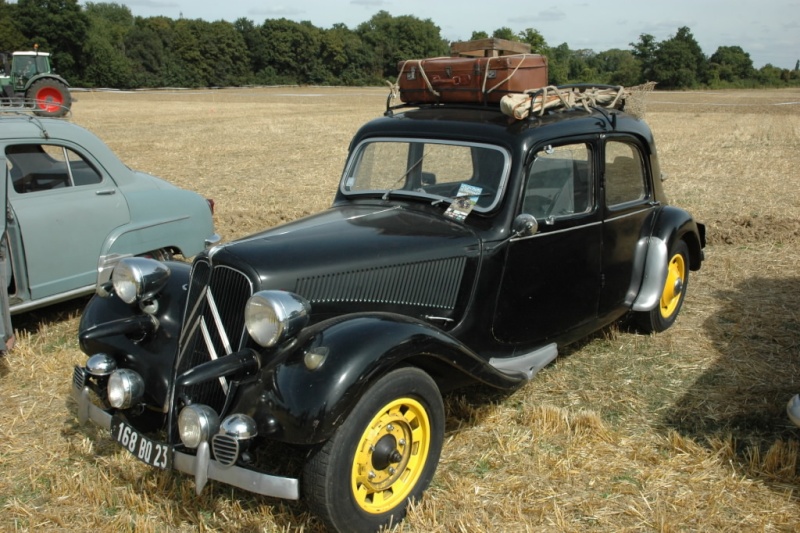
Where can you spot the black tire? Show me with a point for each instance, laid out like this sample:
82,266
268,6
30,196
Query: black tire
49,97
672,294
383,455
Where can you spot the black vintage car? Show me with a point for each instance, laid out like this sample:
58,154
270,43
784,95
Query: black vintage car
462,246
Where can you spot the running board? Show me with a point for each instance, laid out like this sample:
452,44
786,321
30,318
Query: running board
528,364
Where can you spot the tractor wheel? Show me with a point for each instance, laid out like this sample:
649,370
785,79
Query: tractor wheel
49,97
383,455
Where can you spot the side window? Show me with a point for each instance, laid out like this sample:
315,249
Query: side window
624,174
559,182
42,167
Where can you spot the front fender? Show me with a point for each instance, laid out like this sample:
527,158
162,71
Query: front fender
304,406
135,340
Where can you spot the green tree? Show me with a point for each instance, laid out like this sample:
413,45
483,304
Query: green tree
104,49
209,53
505,33
145,47
769,75
730,64
293,55
679,62
558,64
10,37
393,39
478,35
535,39
59,27
255,44
644,50
345,56
617,67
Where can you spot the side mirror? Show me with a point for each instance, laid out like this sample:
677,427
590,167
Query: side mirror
524,225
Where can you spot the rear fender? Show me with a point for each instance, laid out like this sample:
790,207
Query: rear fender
672,224
305,406
38,77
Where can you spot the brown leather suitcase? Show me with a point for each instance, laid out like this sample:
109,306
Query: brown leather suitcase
470,79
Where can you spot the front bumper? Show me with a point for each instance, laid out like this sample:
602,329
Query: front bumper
201,466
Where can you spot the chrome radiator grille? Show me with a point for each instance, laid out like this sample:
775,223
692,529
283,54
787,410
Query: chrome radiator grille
213,326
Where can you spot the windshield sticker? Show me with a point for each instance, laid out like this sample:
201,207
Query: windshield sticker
462,204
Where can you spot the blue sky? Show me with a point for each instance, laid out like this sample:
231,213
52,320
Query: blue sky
768,30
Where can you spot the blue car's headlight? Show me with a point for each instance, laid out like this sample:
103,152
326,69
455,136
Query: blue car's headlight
272,316
139,278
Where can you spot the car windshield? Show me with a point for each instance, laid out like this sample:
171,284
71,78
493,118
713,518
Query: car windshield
428,169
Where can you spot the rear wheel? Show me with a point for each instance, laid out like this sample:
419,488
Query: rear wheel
672,294
50,98
381,457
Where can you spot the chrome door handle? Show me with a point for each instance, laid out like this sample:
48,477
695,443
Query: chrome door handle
106,192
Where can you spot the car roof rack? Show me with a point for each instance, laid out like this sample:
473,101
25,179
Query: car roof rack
27,106
540,101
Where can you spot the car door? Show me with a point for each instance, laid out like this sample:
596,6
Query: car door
627,199
551,280
64,206
6,330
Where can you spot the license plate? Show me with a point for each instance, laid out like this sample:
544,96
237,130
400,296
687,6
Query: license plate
145,449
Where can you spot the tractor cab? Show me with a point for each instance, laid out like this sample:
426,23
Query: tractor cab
26,65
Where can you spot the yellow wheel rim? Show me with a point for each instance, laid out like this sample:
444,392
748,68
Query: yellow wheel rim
391,456
673,287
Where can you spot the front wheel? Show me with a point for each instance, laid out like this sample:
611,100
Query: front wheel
383,456
673,293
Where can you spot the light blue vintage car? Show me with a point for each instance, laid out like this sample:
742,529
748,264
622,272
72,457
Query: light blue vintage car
73,209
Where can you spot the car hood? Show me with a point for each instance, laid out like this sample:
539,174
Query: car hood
360,258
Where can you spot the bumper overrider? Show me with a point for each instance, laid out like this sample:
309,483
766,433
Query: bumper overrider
209,448
201,465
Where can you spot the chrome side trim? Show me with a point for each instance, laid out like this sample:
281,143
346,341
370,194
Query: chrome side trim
33,304
543,234
626,215
655,275
201,466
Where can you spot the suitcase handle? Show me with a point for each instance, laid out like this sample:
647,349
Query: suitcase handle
454,81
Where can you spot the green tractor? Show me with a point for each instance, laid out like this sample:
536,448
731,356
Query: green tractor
29,81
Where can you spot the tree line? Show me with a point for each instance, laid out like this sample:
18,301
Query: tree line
103,45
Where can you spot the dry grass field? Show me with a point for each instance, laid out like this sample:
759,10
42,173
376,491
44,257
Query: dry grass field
681,431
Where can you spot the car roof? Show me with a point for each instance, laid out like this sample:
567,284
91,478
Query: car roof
488,124
25,127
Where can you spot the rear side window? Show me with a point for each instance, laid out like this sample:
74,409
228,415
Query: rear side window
42,167
624,174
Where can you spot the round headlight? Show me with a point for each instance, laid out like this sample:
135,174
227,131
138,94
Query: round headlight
271,316
196,424
125,388
138,278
